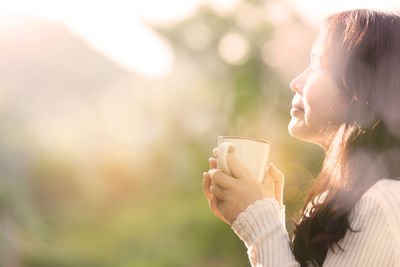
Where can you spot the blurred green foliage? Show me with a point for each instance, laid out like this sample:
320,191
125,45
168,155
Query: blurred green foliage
120,212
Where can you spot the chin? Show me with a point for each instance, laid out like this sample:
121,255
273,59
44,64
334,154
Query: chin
303,133
299,131
294,128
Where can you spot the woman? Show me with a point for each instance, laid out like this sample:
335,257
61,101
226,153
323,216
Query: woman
348,102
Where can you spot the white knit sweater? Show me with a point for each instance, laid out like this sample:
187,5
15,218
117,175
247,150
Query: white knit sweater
261,227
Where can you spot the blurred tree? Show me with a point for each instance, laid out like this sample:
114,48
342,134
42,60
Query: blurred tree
237,53
142,205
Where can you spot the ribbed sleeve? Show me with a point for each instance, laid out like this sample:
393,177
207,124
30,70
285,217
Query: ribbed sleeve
262,229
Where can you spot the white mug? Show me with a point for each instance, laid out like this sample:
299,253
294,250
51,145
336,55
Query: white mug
253,153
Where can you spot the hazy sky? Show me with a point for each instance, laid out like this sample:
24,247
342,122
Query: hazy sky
113,26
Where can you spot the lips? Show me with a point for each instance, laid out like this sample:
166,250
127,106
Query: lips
296,112
297,103
298,107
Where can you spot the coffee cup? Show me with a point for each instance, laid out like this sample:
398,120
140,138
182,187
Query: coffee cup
253,153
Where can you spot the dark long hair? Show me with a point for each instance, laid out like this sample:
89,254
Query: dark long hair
362,53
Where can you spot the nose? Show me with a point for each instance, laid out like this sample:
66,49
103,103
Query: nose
297,84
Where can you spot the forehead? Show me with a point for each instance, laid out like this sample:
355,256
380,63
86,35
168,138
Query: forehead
319,44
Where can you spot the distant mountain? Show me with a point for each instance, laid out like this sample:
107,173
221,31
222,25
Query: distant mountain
43,56
58,90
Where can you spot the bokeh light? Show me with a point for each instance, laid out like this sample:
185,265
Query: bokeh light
109,111
234,48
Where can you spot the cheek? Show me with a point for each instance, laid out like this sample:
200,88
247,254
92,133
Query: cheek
323,106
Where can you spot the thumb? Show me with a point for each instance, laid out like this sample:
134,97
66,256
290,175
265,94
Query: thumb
269,182
267,176
279,179
275,173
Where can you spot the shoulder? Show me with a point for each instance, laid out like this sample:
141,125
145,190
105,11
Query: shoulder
385,183
373,240
380,202
386,192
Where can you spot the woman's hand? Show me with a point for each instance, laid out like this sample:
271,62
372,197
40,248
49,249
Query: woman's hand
228,196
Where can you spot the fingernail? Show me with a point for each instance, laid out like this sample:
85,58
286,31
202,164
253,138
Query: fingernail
270,167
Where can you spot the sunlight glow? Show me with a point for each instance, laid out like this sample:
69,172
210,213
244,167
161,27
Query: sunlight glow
313,11
223,7
270,54
113,27
277,12
197,36
234,48
249,17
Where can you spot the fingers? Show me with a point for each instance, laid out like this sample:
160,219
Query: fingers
279,185
213,202
212,186
279,194
276,174
268,182
279,179
213,163
215,152
220,178
206,185
212,190
218,191
237,169
216,205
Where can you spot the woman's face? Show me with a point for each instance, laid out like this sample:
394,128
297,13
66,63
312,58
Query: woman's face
317,103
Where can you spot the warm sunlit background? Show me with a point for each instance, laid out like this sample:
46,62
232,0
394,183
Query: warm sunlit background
109,111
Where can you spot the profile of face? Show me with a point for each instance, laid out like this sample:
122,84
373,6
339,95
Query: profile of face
318,103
